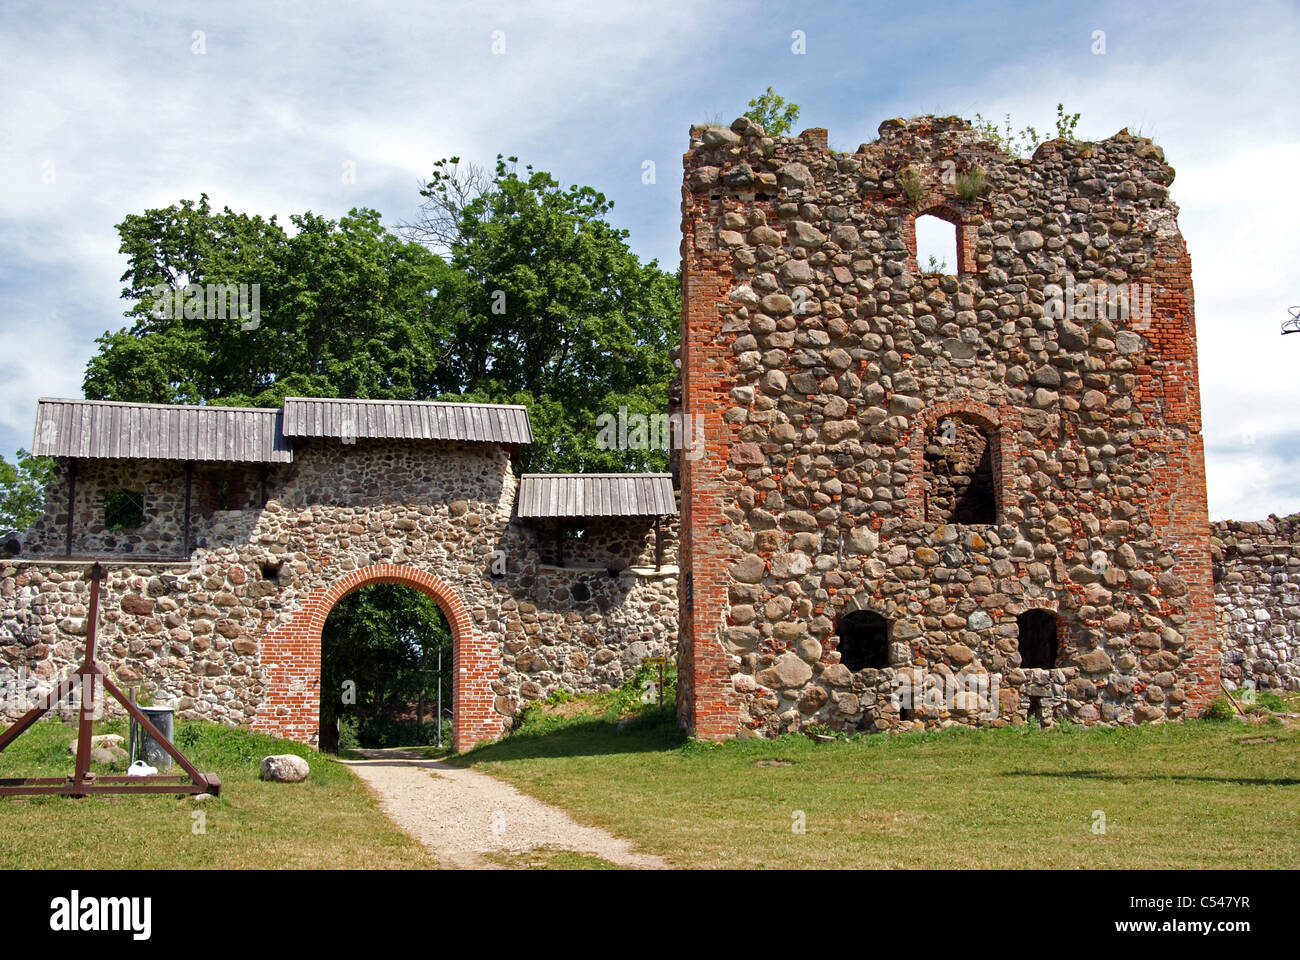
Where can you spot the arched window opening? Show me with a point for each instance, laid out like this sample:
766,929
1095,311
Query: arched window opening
936,245
863,640
1037,639
959,482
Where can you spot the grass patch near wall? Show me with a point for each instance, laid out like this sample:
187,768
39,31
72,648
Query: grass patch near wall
329,820
1196,794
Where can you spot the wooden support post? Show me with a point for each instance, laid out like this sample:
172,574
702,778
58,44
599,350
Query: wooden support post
659,544
189,483
83,782
86,719
265,470
559,542
72,505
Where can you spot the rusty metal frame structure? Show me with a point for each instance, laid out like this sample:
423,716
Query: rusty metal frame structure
83,782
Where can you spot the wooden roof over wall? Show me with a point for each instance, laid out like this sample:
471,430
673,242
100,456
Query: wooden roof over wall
91,429
406,420
104,429
596,495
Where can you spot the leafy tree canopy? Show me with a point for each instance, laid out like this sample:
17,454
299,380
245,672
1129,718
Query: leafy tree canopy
22,490
531,297
553,309
345,309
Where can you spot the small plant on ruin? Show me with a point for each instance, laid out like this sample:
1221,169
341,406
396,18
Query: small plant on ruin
770,111
910,181
818,729
1022,143
935,265
1266,701
1065,123
1220,709
971,184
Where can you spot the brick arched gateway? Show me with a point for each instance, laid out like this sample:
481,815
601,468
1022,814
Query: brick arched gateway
291,660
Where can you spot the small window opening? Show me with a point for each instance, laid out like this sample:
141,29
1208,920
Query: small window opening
1037,640
959,485
227,490
936,245
581,592
123,510
1036,708
864,640
270,571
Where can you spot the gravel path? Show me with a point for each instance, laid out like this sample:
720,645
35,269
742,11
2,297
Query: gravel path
461,815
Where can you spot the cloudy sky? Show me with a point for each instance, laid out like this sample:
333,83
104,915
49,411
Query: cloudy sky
109,109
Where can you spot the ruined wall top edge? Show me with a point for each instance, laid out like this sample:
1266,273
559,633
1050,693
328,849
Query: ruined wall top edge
944,137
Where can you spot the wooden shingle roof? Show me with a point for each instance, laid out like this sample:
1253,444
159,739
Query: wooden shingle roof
406,420
596,495
156,431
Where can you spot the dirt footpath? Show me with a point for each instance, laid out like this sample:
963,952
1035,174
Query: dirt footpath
462,815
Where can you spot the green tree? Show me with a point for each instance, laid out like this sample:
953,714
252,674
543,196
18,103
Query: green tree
770,111
552,309
345,308
22,490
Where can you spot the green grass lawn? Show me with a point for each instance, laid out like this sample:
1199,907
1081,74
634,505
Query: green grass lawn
1197,794
328,821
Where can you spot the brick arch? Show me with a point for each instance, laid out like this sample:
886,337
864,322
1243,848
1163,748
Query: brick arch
999,424
291,660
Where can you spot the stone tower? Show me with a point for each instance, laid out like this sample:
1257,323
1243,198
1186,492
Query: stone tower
930,497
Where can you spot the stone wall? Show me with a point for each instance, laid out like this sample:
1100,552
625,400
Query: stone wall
1257,592
160,484
231,633
825,366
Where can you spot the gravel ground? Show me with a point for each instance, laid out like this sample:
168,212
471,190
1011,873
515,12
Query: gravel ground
462,815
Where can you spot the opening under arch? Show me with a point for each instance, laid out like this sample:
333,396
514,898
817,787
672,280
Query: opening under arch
960,484
1038,641
936,245
386,670
863,640
290,657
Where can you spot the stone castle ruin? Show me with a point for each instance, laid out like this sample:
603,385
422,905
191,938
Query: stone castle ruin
912,498
923,480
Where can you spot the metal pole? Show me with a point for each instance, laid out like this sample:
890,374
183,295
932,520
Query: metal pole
440,697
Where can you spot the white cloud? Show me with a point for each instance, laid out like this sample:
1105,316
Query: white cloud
286,92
